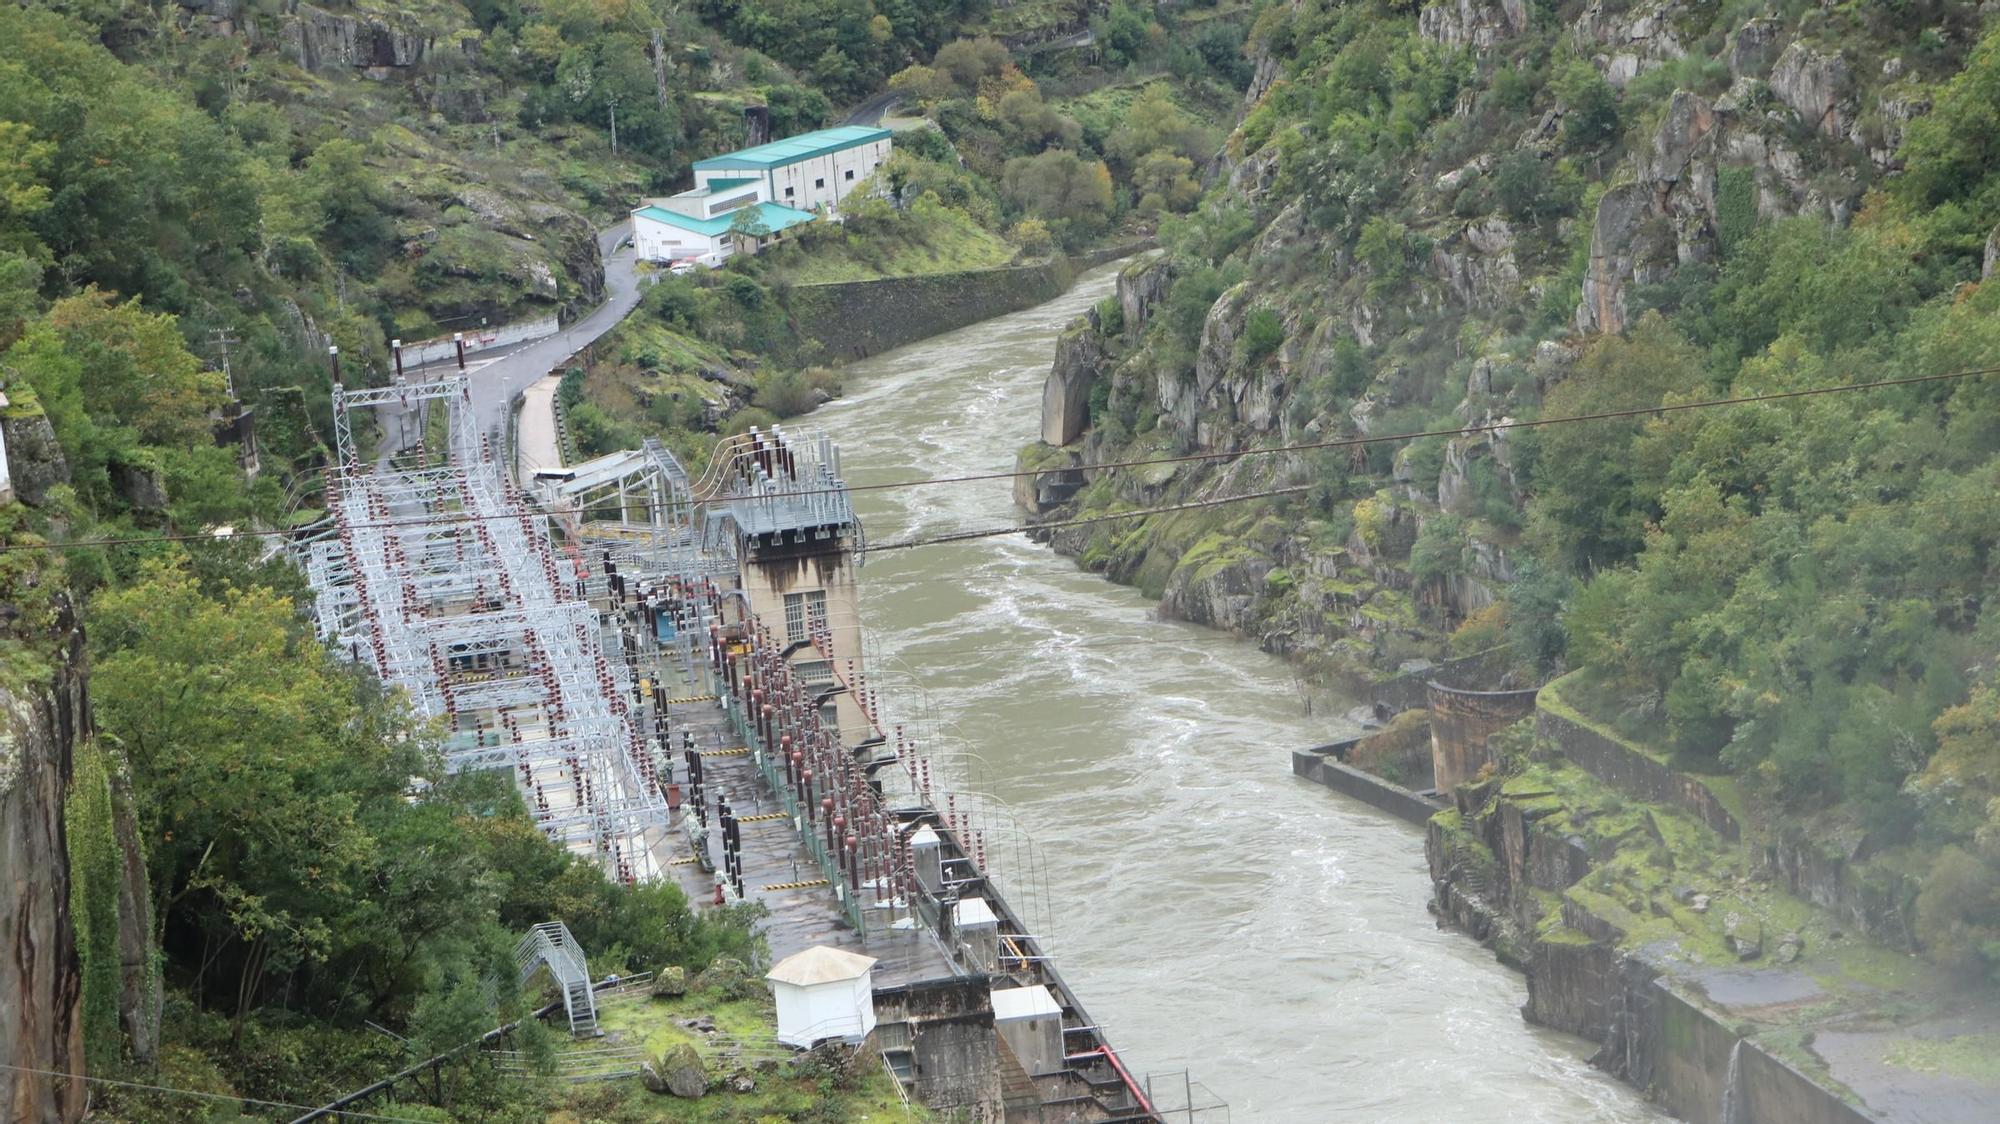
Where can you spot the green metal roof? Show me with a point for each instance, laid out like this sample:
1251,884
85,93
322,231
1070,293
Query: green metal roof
725,185
791,150
775,217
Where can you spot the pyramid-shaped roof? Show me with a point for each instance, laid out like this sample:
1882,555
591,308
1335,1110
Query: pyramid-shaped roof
820,964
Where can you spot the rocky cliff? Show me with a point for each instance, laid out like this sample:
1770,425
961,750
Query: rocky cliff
41,1029
1441,291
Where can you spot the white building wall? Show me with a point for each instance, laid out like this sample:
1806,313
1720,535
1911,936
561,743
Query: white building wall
658,241
835,1009
816,181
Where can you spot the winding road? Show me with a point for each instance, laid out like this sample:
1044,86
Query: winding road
499,374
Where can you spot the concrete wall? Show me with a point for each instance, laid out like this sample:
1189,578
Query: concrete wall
1460,723
1394,799
1633,772
769,574
856,319
443,349
953,1044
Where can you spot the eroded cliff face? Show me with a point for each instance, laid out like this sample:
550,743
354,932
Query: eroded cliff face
1441,293
41,986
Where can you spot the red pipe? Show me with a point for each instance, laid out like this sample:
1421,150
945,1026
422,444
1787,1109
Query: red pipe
1111,1056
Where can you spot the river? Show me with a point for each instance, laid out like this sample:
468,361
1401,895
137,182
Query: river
1213,912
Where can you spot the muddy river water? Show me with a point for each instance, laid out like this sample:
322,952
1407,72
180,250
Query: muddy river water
1214,913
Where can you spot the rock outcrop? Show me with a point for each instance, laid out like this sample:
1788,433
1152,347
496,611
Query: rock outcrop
321,40
1079,363
35,463
1476,25
1624,41
1817,85
41,983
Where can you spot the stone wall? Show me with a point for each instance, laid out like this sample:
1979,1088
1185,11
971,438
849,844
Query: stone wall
1634,773
856,319
1480,671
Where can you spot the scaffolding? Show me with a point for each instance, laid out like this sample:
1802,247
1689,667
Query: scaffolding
435,573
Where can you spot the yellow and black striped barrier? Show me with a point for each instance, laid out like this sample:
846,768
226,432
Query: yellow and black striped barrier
809,884
693,699
689,861
766,817
737,752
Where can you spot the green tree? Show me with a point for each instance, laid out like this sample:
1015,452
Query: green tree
1590,107
1165,182
1060,187
1591,505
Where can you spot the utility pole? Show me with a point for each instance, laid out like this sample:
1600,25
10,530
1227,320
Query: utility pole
614,124
660,65
223,339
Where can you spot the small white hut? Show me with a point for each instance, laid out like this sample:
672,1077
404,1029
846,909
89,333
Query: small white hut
823,993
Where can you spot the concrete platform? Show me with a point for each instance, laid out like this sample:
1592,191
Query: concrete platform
775,864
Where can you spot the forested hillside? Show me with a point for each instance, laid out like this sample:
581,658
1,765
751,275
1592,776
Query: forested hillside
1437,217
230,854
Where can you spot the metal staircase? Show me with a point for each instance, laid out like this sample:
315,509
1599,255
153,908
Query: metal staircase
550,943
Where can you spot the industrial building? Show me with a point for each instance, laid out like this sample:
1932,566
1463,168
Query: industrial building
788,182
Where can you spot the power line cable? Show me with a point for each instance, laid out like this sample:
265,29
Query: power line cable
231,1098
1339,443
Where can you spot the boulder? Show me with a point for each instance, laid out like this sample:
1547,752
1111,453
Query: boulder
670,983
1986,269
679,1071
1790,947
1744,936
731,977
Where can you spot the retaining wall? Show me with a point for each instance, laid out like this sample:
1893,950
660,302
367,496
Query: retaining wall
1634,773
1477,672
1318,764
856,319
443,348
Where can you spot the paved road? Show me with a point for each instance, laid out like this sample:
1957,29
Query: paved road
497,375
872,111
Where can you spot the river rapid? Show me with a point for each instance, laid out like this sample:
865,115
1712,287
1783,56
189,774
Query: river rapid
1213,912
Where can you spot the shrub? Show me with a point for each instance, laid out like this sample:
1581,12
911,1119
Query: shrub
1262,333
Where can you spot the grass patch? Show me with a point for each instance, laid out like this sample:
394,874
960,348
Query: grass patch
949,241
747,1026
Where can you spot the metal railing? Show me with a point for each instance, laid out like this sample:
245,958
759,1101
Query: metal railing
550,943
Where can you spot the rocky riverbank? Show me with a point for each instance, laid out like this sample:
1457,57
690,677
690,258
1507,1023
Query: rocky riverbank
1642,924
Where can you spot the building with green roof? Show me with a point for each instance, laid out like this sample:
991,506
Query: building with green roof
806,172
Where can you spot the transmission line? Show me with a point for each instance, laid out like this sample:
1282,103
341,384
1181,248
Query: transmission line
1309,446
